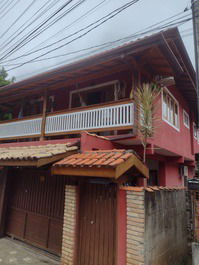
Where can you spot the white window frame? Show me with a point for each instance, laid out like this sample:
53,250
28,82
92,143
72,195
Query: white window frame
195,136
186,125
178,113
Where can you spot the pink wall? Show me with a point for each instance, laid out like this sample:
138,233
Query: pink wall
169,174
172,175
90,142
167,137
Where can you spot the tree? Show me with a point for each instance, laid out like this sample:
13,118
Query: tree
145,99
3,78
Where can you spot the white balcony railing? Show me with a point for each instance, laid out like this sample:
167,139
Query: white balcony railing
21,128
105,117
99,118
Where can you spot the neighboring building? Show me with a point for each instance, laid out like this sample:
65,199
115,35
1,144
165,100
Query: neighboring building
46,115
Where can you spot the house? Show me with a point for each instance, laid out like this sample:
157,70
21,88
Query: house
53,180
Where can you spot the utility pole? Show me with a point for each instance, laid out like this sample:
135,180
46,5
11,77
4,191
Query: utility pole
195,14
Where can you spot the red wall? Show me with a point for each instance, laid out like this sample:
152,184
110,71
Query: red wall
173,177
168,138
91,142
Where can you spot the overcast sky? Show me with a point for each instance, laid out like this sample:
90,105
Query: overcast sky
135,18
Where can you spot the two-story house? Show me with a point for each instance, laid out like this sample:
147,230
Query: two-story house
42,118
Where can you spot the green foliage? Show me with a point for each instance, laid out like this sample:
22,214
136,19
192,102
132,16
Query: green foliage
3,78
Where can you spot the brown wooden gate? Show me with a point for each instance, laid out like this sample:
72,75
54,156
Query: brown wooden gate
35,208
97,225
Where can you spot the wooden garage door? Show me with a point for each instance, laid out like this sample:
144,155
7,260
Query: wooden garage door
97,227
35,208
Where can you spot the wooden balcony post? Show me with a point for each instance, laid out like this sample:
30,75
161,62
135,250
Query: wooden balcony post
43,124
3,195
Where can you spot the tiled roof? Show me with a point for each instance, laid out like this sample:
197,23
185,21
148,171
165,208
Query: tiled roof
103,163
34,152
36,156
152,188
102,158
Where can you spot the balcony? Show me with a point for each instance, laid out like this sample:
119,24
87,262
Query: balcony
104,117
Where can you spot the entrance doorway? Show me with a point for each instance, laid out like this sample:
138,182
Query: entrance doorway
97,225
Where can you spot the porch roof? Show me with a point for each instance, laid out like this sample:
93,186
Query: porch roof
102,163
35,155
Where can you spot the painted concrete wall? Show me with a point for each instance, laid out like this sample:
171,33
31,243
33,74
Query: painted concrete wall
165,228
179,142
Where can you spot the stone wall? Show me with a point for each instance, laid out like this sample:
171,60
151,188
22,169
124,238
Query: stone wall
165,228
69,227
156,226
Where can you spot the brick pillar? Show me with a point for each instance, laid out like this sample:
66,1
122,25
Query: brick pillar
135,226
69,227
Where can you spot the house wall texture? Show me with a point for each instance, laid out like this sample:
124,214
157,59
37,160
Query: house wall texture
165,227
156,226
69,227
181,142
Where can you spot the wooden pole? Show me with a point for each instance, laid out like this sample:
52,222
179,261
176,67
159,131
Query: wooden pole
43,125
195,13
3,184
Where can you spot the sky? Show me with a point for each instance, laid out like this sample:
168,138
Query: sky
138,17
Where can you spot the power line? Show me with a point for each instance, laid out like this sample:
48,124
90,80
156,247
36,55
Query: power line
135,35
108,44
107,17
37,33
17,19
47,46
92,10
7,11
42,24
39,13
3,3
103,19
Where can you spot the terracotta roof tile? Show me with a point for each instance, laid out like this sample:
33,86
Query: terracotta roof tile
108,158
117,162
152,188
126,156
34,152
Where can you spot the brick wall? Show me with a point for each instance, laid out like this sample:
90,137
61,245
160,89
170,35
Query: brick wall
69,227
135,227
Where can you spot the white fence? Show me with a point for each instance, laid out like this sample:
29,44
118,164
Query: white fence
21,128
103,117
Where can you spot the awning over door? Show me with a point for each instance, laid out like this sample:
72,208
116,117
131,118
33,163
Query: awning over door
36,156
103,163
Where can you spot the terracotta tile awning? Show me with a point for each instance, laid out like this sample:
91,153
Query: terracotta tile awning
103,163
35,155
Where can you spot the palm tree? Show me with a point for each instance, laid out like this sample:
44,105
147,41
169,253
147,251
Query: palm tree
146,101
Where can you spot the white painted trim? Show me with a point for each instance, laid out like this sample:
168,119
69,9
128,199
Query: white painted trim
187,126
167,91
114,82
195,137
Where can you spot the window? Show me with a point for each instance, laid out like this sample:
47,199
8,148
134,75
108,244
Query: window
170,112
195,131
96,94
186,119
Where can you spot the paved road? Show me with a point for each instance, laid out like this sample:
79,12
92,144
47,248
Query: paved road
13,252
